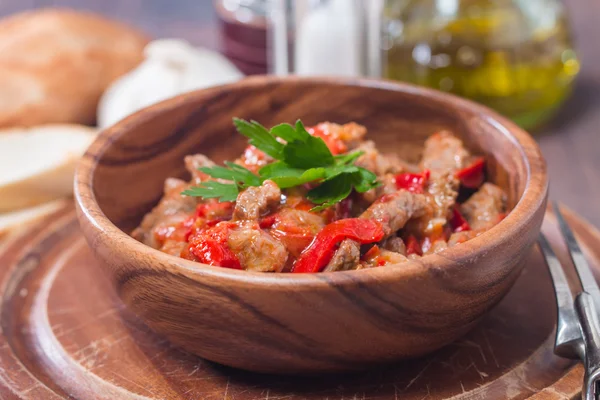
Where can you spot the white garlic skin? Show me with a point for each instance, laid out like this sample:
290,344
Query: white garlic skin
171,67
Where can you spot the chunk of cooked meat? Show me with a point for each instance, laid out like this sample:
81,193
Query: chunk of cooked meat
254,159
345,257
256,249
444,191
351,134
257,201
291,219
485,207
444,153
395,244
394,210
442,194
172,209
193,163
378,163
388,186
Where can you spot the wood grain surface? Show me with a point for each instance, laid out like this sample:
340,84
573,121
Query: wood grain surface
94,348
571,143
299,323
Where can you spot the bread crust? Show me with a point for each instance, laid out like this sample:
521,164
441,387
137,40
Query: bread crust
55,65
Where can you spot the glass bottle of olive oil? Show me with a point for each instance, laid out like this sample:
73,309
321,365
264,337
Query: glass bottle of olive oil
514,56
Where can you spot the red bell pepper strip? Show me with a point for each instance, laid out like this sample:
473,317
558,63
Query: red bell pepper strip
412,182
321,250
210,246
188,225
268,221
207,214
472,176
458,223
413,246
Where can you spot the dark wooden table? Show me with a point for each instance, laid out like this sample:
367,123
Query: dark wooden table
570,142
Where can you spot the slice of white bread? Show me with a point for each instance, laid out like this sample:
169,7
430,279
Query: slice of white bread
20,218
38,164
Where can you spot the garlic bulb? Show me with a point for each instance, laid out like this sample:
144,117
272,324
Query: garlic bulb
171,67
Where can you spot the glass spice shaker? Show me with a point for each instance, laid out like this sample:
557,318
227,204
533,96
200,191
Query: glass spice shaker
515,56
325,37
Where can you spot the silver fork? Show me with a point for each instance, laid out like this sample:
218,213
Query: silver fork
578,326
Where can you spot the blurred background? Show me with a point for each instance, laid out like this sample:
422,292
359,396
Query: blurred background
535,61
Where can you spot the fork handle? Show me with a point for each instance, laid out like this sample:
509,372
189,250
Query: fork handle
590,331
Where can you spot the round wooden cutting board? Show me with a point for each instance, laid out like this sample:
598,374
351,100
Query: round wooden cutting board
65,335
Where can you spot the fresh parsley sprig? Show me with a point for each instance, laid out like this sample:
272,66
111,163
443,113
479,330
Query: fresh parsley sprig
214,189
241,177
301,158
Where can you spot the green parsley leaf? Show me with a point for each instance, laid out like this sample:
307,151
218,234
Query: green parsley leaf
236,173
331,192
364,180
333,172
286,177
311,152
242,176
277,168
259,137
288,133
349,158
308,155
218,172
310,175
213,189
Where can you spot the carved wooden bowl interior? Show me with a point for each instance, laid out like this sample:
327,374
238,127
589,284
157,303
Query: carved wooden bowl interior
305,323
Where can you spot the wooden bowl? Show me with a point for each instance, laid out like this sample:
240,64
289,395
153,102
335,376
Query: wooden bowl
305,323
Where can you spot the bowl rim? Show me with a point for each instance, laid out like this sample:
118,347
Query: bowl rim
533,198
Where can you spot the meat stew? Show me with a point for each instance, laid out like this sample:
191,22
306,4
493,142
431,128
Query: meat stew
280,208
